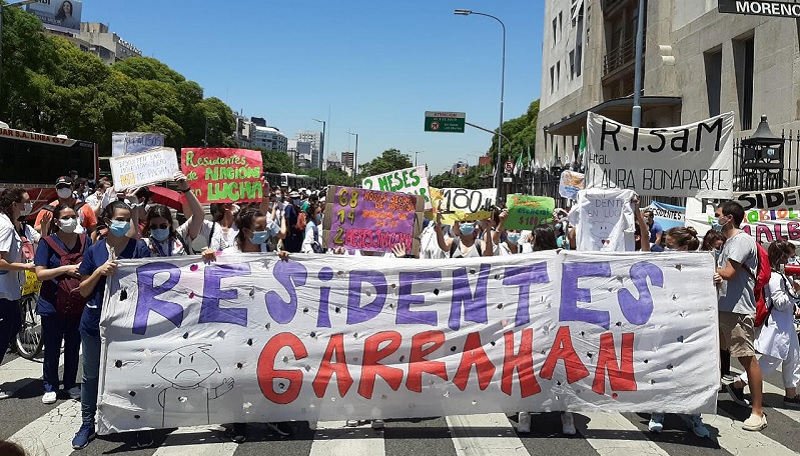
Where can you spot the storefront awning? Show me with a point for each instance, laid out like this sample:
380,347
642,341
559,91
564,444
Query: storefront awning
618,109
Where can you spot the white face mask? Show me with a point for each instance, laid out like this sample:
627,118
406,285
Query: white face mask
68,225
26,209
64,192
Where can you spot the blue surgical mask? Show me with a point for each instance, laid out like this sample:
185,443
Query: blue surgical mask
513,238
467,229
792,260
279,198
297,202
259,237
119,228
716,226
159,234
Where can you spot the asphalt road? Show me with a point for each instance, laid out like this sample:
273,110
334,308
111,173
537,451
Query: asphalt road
48,430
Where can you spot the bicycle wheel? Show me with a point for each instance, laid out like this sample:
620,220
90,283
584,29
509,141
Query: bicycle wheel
29,337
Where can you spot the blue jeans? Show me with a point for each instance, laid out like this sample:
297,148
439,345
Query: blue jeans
56,328
10,322
90,339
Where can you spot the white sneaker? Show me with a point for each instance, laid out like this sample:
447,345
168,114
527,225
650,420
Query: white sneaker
568,424
75,393
49,397
523,422
755,423
656,423
5,394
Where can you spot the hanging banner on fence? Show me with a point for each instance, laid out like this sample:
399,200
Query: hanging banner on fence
769,215
526,212
361,219
413,181
223,175
461,204
694,160
667,215
320,337
154,166
604,220
133,142
570,183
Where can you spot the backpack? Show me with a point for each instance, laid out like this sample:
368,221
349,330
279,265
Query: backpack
315,244
301,221
68,298
762,275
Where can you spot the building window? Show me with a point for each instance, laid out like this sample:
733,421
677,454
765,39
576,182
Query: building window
552,79
713,61
571,65
560,19
743,60
555,31
558,74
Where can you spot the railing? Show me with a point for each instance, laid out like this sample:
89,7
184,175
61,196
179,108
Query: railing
620,56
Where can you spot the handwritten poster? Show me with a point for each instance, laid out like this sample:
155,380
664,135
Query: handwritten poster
604,220
223,175
134,142
526,212
694,160
461,204
136,170
251,338
769,215
570,183
362,219
413,181
667,215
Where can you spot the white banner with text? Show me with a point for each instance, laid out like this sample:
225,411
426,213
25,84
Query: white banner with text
694,160
255,339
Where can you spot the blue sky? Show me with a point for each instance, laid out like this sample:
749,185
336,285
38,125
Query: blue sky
376,66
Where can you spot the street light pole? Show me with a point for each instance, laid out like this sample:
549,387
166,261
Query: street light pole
355,156
497,180
2,8
415,157
636,115
321,148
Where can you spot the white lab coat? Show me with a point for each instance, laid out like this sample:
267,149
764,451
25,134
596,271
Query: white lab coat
777,337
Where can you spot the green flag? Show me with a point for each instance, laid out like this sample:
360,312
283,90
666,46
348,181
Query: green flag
582,146
518,165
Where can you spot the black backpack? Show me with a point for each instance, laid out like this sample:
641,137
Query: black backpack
68,299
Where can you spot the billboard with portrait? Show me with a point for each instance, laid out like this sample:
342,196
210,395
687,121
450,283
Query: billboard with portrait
62,15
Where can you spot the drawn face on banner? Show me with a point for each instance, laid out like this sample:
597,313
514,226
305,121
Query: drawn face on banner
602,231
187,367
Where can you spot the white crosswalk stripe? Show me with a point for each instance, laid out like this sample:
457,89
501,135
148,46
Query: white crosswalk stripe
467,435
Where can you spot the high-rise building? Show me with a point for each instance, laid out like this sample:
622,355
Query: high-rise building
95,38
270,138
317,142
347,159
460,168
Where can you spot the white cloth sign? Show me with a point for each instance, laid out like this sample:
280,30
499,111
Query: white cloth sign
409,180
604,220
690,160
136,170
134,142
255,339
769,215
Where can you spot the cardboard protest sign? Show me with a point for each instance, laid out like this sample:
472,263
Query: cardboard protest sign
460,204
526,212
251,338
136,170
604,220
361,219
223,175
690,160
134,142
667,215
413,181
570,183
769,215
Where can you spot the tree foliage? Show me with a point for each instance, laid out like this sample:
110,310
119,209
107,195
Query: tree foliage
390,160
477,177
50,86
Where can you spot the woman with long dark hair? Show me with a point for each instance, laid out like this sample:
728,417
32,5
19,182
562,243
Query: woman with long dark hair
60,311
14,203
100,262
159,233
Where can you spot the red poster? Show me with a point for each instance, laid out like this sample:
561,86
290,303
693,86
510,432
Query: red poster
223,175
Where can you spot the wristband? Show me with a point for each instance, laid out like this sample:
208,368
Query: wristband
186,191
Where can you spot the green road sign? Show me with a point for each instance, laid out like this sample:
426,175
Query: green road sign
450,122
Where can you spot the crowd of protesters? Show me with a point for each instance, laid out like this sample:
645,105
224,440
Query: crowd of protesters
79,237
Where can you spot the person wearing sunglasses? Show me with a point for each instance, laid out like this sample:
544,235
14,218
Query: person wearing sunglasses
159,233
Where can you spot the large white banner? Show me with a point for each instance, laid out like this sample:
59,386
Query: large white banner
694,160
255,339
769,215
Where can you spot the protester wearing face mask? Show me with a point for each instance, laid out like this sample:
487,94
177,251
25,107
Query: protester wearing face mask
60,313
465,245
100,262
680,239
312,242
777,341
294,233
160,235
86,215
13,204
